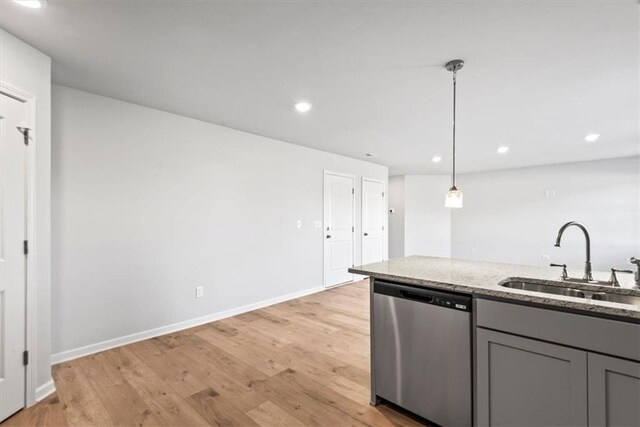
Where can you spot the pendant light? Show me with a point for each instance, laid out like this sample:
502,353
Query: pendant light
454,196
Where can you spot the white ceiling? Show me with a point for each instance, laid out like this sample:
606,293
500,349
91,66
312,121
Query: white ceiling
539,76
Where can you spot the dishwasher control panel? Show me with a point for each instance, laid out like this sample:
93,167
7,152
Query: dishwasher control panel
424,295
446,302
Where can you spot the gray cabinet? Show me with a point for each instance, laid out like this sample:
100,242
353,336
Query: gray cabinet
550,367
525,382
614,391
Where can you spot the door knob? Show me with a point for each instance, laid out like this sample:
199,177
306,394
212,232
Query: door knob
328,236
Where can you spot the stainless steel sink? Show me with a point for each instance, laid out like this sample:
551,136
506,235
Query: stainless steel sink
595,294
547,289
621,299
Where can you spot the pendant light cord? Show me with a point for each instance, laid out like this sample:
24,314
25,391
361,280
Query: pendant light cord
454,128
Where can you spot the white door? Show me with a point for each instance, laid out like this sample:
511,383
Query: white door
338,228
13,196
372,221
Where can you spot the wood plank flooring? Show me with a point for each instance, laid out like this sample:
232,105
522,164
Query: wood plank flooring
302,362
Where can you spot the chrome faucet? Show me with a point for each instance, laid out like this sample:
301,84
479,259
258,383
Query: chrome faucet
588,272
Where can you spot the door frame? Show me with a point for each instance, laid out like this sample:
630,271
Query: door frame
385,226
30,315
324,225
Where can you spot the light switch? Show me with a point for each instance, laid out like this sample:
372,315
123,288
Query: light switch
299,224
199,291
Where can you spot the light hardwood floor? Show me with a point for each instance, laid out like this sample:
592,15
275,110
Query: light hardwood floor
302,362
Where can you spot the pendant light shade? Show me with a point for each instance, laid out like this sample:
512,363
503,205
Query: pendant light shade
454,195
454,198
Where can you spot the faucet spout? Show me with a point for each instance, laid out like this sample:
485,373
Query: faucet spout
588,272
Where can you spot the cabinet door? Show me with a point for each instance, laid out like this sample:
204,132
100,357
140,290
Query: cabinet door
524,382
614,391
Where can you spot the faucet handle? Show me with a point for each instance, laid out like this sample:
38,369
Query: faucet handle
614,279
636,261
564,275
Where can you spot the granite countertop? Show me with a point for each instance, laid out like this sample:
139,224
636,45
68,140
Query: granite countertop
483,279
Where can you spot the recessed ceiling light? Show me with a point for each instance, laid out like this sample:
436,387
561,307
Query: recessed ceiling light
303,107
436,159
592,137
503,149
33,4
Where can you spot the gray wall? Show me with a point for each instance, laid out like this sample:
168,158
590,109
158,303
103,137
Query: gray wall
148,205
29,70
513,215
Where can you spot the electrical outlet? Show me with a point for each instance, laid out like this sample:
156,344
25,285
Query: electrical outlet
317,224
199,291
546,257
299,224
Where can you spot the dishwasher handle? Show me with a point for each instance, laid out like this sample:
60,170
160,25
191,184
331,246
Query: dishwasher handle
417,296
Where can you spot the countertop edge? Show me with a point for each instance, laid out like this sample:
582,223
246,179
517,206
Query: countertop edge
566,304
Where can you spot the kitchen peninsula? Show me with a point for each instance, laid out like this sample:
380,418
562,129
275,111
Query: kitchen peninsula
441,328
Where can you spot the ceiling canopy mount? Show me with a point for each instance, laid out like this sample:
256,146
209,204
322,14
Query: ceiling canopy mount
454,65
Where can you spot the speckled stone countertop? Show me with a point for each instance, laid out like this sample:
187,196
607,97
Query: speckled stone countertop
483,279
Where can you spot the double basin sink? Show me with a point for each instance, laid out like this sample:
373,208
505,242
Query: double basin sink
597,294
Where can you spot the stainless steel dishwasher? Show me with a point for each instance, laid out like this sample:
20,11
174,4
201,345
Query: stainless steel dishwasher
421,347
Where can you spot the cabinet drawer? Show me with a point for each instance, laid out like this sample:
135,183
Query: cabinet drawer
590,333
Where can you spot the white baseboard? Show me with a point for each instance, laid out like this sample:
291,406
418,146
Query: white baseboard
75,353
359,277
45,390
356,278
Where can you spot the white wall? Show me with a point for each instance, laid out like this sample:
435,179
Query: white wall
148,205
513,215
29,70
396,219
508,217
427,221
